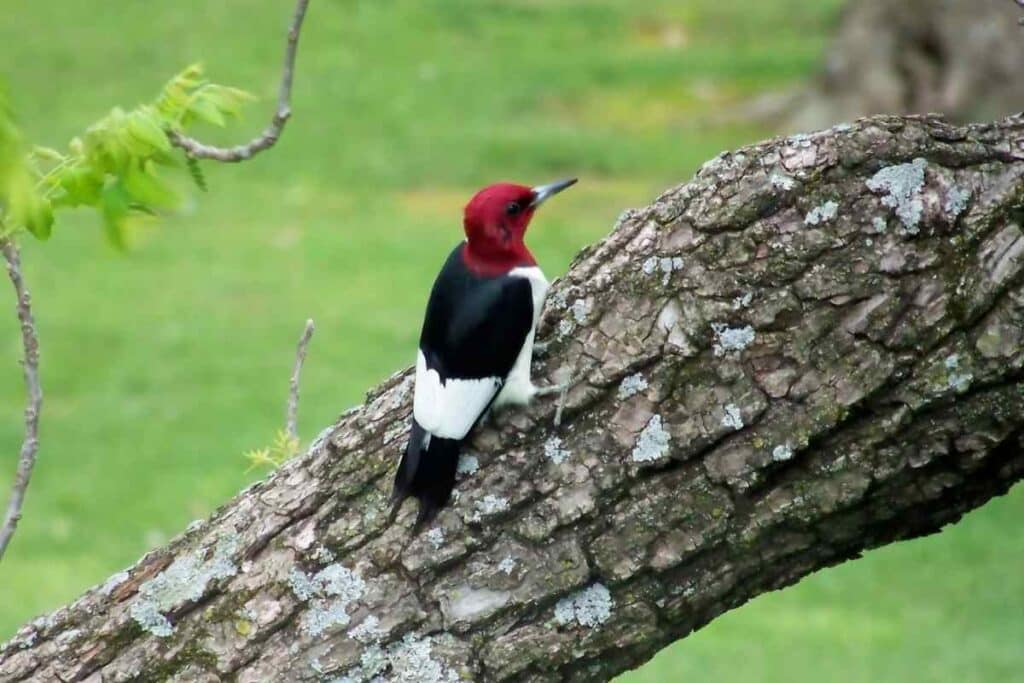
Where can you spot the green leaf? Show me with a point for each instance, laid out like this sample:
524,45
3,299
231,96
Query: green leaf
27,208
11,149
143,127
196,172
39,219
148,189
115,206
228,101
81,186
34,213
205,110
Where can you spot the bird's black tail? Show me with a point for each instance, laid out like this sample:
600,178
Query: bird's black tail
427,473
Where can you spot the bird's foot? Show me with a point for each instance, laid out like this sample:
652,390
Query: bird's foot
553,389
562,391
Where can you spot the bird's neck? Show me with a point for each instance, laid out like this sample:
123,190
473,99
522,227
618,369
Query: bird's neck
492,261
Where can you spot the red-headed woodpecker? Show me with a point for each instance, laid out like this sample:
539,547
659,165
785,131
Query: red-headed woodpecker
477,339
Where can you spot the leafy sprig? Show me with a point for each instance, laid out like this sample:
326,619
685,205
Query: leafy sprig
284,448
122,166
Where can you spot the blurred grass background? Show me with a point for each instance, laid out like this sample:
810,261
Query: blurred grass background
163,365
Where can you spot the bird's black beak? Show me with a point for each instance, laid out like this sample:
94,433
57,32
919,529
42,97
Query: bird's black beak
542,193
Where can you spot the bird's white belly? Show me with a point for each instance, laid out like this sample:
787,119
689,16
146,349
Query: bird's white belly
518,388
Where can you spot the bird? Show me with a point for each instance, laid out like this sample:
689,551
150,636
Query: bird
477,340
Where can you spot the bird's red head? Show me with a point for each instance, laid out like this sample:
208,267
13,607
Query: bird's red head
495,220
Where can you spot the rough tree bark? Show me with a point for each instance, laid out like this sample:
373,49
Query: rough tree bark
959,57
813,348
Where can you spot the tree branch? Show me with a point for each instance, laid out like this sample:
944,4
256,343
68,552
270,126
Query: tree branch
291,415
270,135
197,150
814,348
30,365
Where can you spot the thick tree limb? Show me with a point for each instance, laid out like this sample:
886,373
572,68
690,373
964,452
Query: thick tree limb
270,135
814,348
30,366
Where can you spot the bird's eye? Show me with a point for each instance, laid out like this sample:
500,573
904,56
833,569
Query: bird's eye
513,208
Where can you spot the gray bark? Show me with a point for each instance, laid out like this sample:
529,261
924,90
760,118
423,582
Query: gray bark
959,57
811,349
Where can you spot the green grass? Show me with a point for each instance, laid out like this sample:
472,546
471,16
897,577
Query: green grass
164,365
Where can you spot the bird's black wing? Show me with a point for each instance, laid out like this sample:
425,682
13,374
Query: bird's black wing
474,330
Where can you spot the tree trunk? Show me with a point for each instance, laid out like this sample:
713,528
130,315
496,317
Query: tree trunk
812,349
959,57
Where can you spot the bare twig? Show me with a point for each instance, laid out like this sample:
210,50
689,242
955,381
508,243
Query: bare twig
291,419
30,365
272,132
195,149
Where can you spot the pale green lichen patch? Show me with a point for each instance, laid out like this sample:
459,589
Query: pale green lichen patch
731,339
410,661
666,264
956,201
957,378
436,537
900,187
468,464
507,565
324,615
632,385
732,418
303,586
822,214
580,310
185,580
148,616
468,603
653,442
368,630
323,554
555,451
589,607
782,453
330,591
489,505
781,181
742,301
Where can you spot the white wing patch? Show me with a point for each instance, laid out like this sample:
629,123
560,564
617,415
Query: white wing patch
449,410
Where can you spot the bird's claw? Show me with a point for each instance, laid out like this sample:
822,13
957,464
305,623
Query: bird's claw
562,391
552,389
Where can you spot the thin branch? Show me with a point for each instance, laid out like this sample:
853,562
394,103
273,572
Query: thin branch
270,135
292,416
30,365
